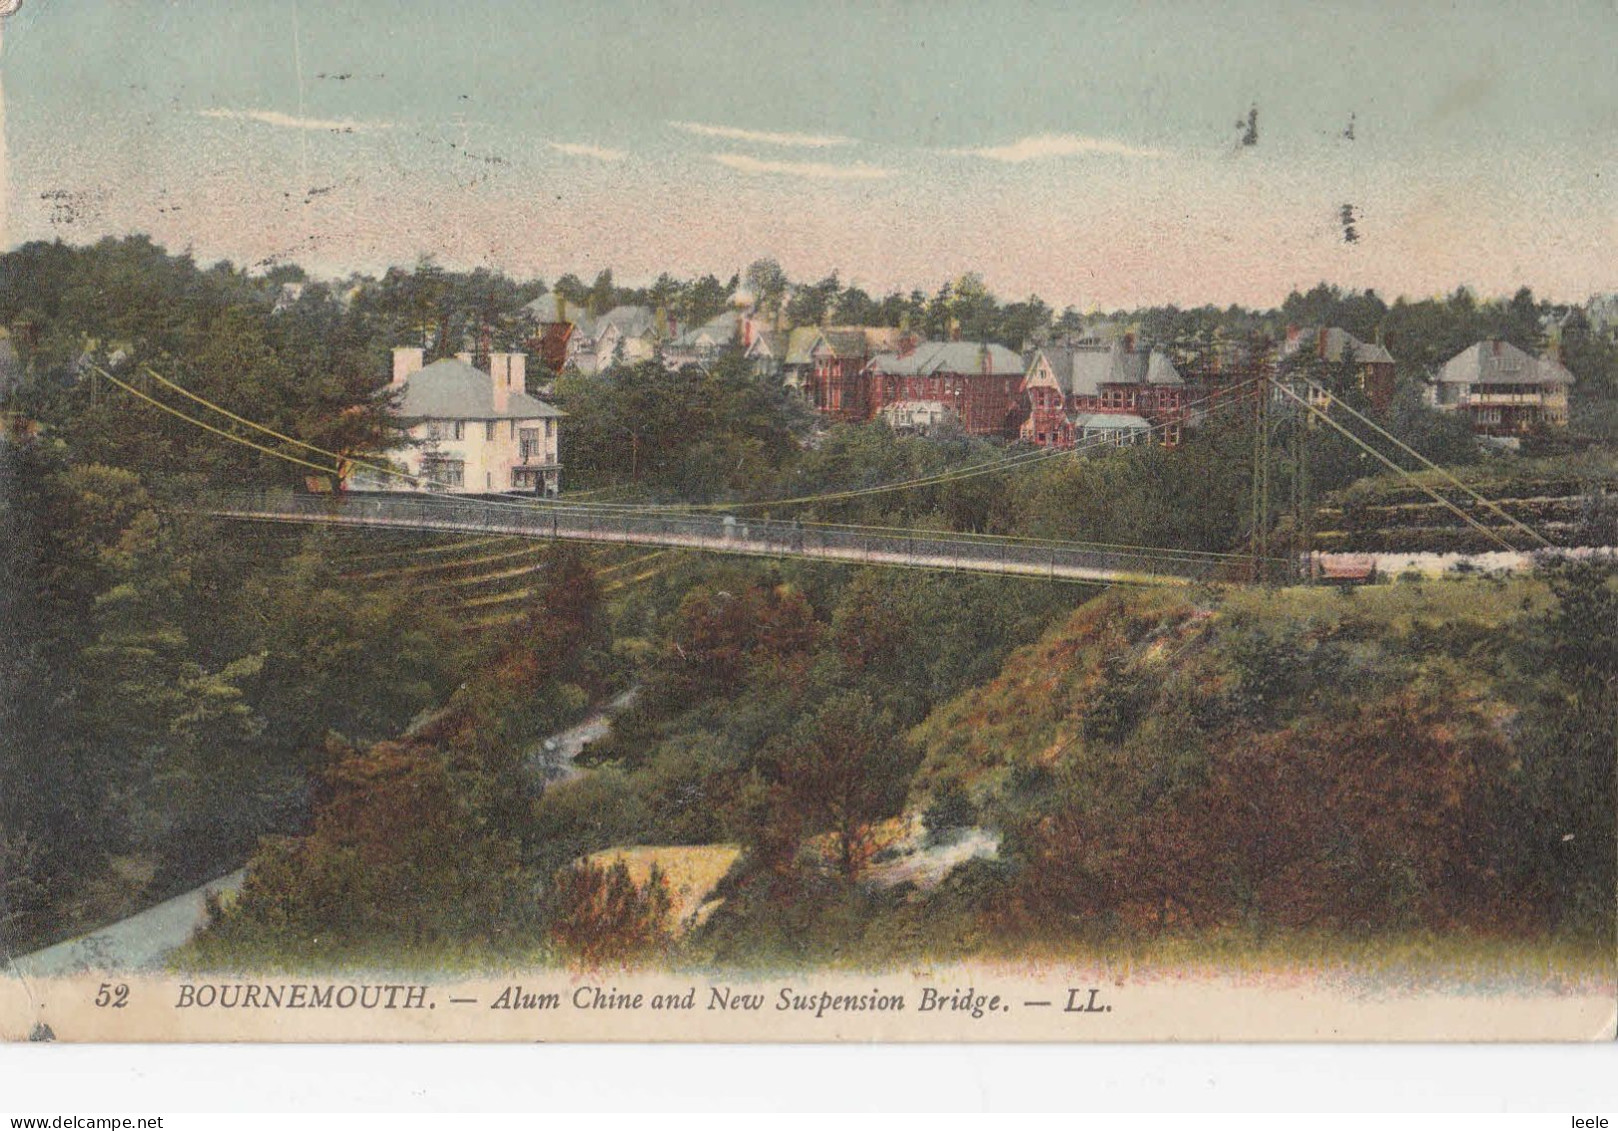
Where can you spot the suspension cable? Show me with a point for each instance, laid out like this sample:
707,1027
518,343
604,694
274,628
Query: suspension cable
1443,471
1468,519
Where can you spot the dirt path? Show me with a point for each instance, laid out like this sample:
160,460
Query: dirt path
140,942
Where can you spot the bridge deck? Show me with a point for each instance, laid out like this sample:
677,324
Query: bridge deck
1060,561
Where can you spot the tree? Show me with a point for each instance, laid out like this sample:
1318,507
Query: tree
768,284
813,304
844,769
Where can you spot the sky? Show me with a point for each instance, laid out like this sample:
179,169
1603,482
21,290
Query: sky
1089,153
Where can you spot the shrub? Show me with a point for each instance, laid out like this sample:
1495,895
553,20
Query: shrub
599,915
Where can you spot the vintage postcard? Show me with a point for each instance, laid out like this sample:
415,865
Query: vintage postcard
794,521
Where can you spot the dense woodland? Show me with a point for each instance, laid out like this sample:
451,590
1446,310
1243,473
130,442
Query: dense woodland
183,695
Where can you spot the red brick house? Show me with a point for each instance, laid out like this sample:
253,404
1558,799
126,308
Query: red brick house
1308,352
979,382
830,364
1066,384
556,323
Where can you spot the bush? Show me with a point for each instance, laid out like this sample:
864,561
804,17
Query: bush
599,915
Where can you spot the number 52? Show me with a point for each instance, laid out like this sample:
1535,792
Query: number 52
115,996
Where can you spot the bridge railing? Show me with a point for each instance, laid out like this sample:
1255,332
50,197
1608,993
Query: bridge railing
724,533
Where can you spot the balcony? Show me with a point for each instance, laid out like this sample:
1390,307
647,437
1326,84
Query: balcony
1533,399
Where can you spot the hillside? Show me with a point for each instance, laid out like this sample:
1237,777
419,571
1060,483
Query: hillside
1392,758
1570,501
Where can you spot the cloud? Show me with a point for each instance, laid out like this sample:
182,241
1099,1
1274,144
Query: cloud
288,121
764,137
576,149
1042,146
818,170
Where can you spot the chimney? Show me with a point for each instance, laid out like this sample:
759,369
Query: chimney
1293,332
406,360
1321,337
509,373
1129,341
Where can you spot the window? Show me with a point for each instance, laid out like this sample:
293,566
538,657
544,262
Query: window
444,473
460,429
488,431
531,451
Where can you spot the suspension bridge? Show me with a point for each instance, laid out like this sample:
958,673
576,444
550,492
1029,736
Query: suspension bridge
704,528
730,534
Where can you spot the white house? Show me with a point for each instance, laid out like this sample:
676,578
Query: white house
472,430
1502,390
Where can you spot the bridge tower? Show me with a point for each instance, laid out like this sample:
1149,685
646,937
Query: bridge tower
1259,539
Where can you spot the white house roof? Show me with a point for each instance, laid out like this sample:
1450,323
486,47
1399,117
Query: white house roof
1495,362
552,308
767,343
717,330
1110,421
450,389
916,406
631,321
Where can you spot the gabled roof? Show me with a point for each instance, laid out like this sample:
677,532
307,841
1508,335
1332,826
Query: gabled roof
719,329
1338,342
930,358
1081,371
843,343
1160,371
450,389
767,343
553,308
630,321
799,344
1495,362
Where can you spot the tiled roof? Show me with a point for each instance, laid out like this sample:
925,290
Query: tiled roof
631,321
1082,371
450,389
1338,341
770,343
929,358
1501,363
800,342
545,309
720,329
845,343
